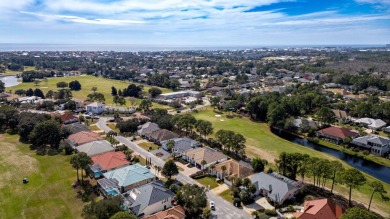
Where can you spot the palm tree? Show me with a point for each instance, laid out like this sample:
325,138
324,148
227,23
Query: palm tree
223,168
85,161
74,160
203,163
212,167
377,187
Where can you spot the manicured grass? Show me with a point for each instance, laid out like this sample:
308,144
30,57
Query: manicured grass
113,127
227,195
49,193
87,82
261,142
147,145
208,181
94,128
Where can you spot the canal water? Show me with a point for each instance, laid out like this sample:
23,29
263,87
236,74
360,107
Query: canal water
376,170
9,81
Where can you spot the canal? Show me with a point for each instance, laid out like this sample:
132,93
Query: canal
376,170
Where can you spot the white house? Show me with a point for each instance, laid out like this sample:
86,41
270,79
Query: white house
95,107
148,199
274,186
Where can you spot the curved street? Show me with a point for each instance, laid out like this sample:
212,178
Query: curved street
224,209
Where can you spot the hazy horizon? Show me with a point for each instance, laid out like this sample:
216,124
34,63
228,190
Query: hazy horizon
9,47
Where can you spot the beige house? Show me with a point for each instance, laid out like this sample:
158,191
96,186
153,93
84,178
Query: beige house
204,157
233,168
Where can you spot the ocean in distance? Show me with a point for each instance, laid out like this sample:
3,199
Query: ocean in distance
8,47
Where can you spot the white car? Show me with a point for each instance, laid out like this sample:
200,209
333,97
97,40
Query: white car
212,205
87,115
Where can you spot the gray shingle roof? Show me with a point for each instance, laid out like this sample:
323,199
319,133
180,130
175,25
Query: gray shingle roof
276,185
147,128
146,195
182,144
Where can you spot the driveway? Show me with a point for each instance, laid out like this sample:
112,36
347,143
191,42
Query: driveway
187,170
220,189
162,151
224,210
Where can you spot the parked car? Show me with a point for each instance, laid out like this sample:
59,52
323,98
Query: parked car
212,205
95,117
87,115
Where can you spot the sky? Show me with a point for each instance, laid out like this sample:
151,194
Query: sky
195,22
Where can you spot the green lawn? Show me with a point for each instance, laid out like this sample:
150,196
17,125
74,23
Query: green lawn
147,145
227,195
261,142
113,127
49,193
94,128
208,181
87,82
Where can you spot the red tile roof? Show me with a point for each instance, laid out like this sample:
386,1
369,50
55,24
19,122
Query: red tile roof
67,117
339,132
83,137
110,160
320,209
176,212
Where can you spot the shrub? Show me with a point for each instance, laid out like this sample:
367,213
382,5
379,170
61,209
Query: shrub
270,212
237,202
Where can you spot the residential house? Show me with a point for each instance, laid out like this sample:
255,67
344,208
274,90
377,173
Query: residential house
95,147
148,199
377,145
341,116
76,127
124,179
68,118
176,212
209,155
373,124
181,145
215,89
234,168
274,186
161,135
147,128
107,161
95,107
83,137
319,209
336,134
301,122
31,99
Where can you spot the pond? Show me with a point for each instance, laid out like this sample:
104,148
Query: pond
9,81
376,170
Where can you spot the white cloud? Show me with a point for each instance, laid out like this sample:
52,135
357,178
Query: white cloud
381,2
123,6
76,19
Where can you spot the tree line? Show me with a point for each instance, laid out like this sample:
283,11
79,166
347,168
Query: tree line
321,170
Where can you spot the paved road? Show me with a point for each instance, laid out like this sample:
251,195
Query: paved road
224,210
205,101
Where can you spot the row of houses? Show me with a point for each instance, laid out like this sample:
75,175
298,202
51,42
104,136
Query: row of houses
143,194
377,145
277,187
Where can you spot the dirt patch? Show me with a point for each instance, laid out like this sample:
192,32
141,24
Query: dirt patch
253,151
12,160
